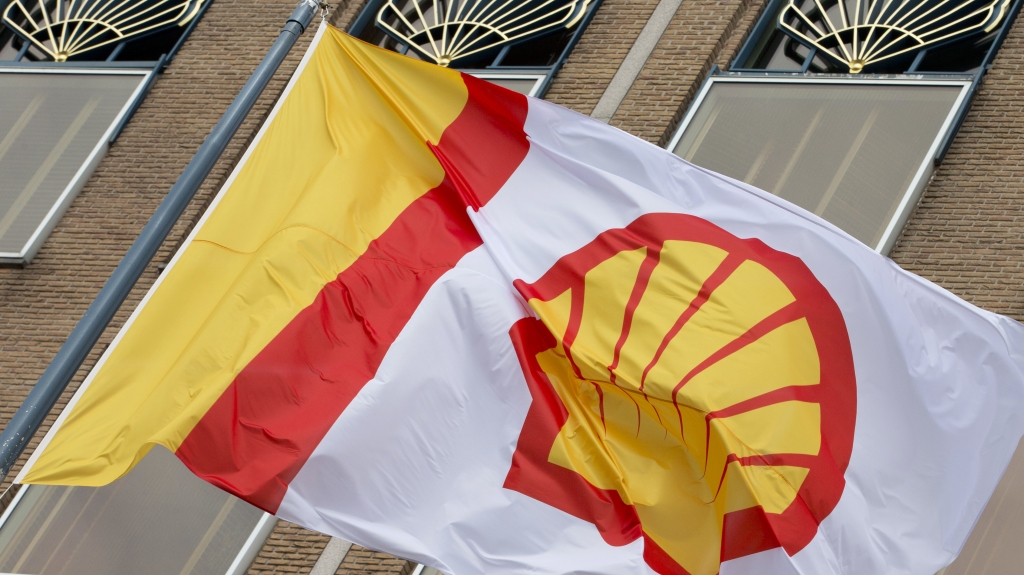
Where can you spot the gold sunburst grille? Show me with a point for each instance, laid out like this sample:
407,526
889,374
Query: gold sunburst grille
76,26
444,31
859,33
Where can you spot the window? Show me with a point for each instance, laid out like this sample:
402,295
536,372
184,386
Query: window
541,35
857,153
68,85
158,520
55,126
845,107
529,84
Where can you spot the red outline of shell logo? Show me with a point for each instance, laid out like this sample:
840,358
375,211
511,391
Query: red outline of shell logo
690,388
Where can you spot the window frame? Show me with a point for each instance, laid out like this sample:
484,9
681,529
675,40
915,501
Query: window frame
538,78
85,171
924,172
150,69
239,565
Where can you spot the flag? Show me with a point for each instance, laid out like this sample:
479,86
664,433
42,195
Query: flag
437,318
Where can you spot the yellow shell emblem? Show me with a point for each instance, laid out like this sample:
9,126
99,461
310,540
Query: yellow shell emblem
691,388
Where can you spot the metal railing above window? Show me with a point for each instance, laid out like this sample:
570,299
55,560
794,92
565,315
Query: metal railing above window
96,30
530,45
876,36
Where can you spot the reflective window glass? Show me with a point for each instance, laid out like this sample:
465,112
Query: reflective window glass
522,83
53,130
850,153
157,520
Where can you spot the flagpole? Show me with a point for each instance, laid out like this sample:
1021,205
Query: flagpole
69,358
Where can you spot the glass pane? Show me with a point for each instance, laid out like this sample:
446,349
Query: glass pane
994,546
49,125
158,520
521,85
845,152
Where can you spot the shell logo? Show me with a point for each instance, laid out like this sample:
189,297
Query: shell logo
690,388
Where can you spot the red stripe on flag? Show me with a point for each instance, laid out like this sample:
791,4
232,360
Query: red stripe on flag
261,431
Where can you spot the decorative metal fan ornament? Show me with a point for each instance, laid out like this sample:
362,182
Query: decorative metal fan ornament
77,26
858,33
444,31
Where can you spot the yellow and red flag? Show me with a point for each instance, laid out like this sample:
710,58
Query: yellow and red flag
438,318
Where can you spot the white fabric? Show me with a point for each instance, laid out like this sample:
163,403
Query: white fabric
415,465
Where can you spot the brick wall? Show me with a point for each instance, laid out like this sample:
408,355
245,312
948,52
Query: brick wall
363,561
701,34
604,44
967,233
289,549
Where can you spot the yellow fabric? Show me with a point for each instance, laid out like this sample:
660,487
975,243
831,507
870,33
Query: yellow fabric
636,442
345,155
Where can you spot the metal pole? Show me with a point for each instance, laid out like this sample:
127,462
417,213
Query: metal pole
58,374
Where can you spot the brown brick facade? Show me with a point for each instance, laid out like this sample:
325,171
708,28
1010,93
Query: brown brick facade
967,234
292,549
696,39
590,67
289,549
363,561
